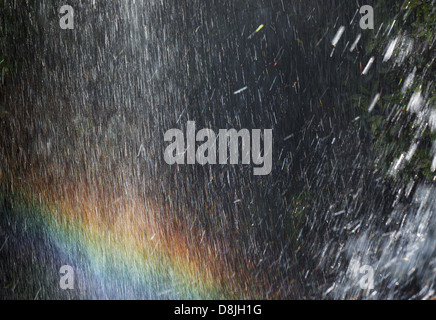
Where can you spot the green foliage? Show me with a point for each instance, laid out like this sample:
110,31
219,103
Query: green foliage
394,128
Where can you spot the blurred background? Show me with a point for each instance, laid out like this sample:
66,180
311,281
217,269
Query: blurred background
83,182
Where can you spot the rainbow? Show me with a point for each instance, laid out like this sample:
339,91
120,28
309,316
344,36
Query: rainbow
128,260
120,248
